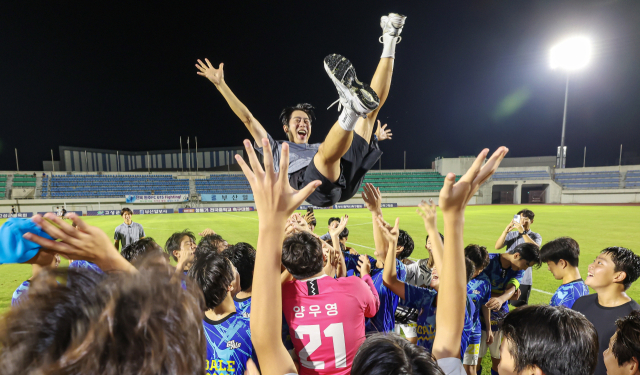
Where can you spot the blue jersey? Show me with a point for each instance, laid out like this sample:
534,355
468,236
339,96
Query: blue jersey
351,261
384,320
425,299
243,306
228,345
568,293
479,291
499,278
86,265
20,294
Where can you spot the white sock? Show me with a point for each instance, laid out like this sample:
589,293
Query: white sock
389,43
348,119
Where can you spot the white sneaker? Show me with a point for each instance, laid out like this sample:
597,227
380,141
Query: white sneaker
392,25
355,95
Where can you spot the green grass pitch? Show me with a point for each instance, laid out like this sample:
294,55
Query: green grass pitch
594,227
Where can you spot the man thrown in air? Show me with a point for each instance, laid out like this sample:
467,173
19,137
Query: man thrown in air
348,152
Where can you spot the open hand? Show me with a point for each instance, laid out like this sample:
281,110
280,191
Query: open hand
390,233
275,199
494,303
364,266
372,198
86,242
454,196
429,216
337,230
382,132
206,232
216,76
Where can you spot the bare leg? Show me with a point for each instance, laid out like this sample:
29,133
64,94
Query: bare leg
494,364
327,160
380,83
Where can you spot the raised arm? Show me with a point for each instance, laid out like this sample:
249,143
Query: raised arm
275,202
454,197
428,213
373,200
216,76
503,236
390,274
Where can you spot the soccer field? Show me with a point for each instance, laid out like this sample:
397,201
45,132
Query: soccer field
594,227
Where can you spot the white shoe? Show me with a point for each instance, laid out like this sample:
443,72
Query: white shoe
355,95
392,25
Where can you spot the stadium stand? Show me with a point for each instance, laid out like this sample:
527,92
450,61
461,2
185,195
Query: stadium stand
3,186
632,179
522,175
113,186
405,182
23,180
588,180
223,184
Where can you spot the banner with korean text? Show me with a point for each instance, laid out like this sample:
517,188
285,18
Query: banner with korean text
157,198
226,197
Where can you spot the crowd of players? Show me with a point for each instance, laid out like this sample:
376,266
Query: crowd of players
301,304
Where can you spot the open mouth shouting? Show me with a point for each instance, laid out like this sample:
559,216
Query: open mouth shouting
302,134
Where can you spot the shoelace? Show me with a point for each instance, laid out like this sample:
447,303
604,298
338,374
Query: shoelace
334,103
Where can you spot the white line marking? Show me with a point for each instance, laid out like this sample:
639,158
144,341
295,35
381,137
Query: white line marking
542,291
356,244
371,222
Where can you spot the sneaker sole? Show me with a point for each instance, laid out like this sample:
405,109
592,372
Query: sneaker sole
342,72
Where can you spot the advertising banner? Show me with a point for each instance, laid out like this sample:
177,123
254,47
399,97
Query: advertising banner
153,211
389,205
226,197
157,198
342,206
214,209
7,215
305,206
104,213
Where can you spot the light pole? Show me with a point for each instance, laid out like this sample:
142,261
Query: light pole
569,55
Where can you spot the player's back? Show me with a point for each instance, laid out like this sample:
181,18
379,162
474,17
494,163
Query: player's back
228,344
326,320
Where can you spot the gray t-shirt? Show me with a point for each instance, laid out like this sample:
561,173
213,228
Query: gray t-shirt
514,239
300,155
128,234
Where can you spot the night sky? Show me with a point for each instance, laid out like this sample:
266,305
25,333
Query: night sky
468,74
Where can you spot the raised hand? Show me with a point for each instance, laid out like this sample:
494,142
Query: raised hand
382,132
275,199
372,198
454,196
390,233
428,213
337,230
309,217
86,242
216,76
364,266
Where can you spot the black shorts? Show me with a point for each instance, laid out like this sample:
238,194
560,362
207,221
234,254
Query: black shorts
358,160
525,291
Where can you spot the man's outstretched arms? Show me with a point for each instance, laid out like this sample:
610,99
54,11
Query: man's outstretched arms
216,76
275,202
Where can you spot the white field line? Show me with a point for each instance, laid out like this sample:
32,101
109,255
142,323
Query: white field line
541,291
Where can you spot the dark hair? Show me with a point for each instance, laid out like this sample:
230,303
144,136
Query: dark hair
527,213
626,261
140,249
627,343
332,219
391,354
441,237
552,338
565,248
344,233
470,268
215,240
77,321
529,252
213,274
125,210
302,255
405,240
173,242
243,257
478,255
307,108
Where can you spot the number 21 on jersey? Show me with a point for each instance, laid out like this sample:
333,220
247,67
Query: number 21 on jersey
335,331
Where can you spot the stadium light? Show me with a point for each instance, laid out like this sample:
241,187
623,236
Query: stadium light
569,55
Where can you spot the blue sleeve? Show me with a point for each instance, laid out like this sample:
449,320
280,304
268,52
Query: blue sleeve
417,297
13,247
401,271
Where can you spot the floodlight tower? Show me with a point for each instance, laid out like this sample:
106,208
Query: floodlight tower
569,55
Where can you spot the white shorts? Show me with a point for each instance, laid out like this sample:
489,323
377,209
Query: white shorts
471,355
409,330
494,348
